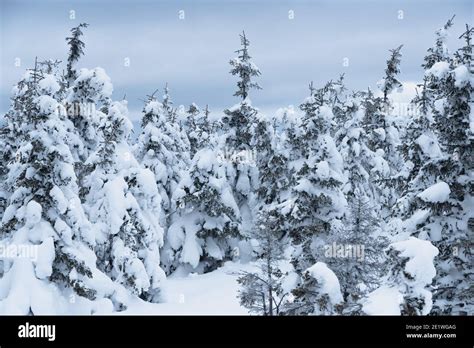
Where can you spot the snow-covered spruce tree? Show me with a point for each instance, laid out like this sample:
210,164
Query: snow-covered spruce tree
192,126
207,217
86,94
450,198
181,144
390,141
412,272
390,82
318,294
44,212
355,252
207,129
16,127
406,289
163,148
419,146
421,149
199,128
439,52
317,201
261,291
352,144
76,50
272,162
335,94
374,125
4,160
383,136
86,102
124,205
238,123
152,150
168,108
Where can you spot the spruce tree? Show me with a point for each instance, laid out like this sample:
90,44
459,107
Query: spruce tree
317,201
124,204
355,252
449,220
353,145
163,149
412,271
261,291
238,123
76,50
44,210
317,294
205,226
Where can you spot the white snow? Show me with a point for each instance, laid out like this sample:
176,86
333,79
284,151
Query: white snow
213,293
192,251
45,258
322,170
33,213
383,301
327,280
429,145
462,76
437,193
421,254
439,70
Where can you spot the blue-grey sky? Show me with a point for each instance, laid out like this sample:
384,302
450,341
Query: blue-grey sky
192,54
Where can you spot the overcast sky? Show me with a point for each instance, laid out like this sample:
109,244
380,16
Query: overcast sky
192,54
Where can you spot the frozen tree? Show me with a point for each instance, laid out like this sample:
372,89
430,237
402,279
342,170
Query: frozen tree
272,163
334,96
16,127
352,143
439,52
318,293
163,149
207,217
4,160
124,205
317,200
245,69
198,127
390,82
76,50
261,291
383,136
420,143
192,127
238,123
44,211
355,252
406,289
86,102
412,272
168,108
438,199
450,204
464,54
152,151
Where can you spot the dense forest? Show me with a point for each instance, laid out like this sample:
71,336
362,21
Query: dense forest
344,206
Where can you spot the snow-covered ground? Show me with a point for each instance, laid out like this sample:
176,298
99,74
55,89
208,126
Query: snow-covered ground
213,293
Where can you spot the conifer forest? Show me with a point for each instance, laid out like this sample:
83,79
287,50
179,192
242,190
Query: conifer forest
349,202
